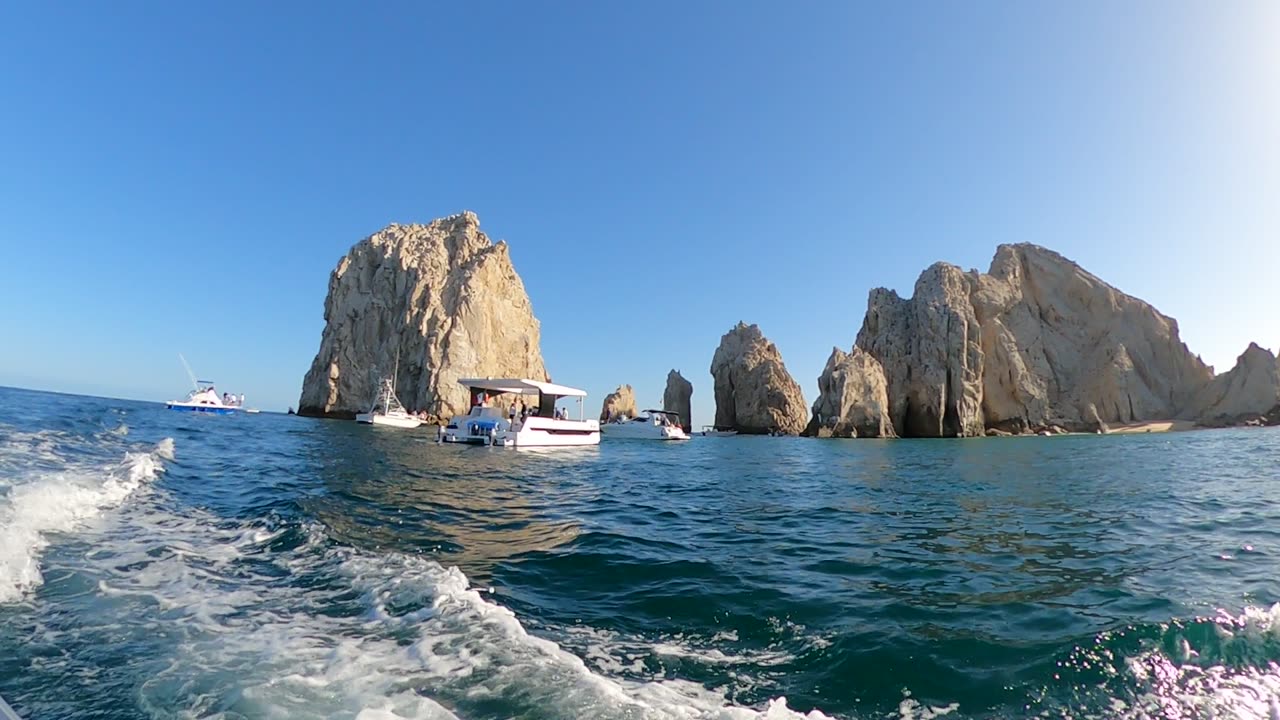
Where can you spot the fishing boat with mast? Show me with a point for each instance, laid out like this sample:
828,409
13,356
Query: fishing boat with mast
204,398
387,409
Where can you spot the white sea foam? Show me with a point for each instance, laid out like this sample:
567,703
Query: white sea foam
912,709
366,636
1233,678
635,660
37,506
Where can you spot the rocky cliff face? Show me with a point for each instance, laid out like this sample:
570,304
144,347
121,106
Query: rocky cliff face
618,403
677,398
1074,349
1035,342
853,398
754,392
1248,393
442,297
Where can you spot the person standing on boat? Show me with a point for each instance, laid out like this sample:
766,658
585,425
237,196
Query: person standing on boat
511,413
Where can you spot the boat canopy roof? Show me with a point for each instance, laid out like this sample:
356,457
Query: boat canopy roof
521,386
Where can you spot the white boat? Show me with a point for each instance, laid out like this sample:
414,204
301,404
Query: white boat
712,431
541,424
203,398
387,410
649,425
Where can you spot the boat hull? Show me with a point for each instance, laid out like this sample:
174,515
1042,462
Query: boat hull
474,429
549,432
407,423
642,430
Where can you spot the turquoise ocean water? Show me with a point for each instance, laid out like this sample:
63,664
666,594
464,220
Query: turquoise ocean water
159,565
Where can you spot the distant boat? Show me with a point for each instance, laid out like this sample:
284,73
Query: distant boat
291,412
387,409
650,425
205,399
713,431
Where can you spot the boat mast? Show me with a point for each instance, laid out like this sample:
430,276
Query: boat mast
394,377
194,384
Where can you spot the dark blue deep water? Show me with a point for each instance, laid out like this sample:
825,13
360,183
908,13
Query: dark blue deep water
159,565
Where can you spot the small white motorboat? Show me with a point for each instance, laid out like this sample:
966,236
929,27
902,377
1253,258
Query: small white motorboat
713,431
540,425
388,411
649,425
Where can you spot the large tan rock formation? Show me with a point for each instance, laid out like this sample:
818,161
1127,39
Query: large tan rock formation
677,398
1249,391
442,297
1036,342
853,398
754,392
618,403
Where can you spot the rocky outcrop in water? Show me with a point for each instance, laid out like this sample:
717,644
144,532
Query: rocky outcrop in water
443,298
754,392
853,398
1249,393
1036,342
619,403
677,398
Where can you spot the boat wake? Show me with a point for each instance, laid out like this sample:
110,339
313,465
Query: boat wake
273,618
43,503
284,622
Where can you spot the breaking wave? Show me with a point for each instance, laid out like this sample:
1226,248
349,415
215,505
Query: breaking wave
1223,666
285,622
44,503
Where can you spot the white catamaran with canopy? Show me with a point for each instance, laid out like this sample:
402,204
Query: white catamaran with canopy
532,424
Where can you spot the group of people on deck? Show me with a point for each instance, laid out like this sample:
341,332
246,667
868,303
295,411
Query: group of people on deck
519,410
232,400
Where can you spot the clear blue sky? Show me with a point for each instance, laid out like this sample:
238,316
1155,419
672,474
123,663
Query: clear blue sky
184,176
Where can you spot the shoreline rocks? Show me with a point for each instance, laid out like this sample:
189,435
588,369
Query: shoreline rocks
442,298
754,393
